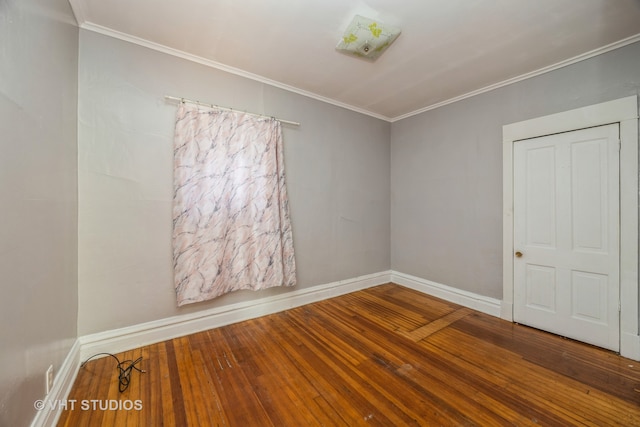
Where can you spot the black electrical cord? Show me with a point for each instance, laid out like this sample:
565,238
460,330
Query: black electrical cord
124,373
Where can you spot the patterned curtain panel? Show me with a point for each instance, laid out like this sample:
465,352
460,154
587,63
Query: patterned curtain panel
231,224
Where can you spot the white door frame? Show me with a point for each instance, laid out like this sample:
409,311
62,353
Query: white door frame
625,112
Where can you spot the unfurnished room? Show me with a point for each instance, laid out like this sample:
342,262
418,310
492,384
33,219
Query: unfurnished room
319,213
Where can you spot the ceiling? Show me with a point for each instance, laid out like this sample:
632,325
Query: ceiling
448,49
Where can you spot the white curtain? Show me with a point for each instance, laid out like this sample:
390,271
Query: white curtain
231,224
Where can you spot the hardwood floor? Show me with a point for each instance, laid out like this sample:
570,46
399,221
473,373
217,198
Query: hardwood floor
385,356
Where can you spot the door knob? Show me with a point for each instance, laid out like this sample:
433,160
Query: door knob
518,254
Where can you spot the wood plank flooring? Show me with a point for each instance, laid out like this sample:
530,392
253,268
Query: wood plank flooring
385,356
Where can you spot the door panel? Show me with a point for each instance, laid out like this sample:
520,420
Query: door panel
585,307
541,288
566,226
540,179
589,223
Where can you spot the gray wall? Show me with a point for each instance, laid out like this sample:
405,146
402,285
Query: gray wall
38,190
446,169
443,183
337,165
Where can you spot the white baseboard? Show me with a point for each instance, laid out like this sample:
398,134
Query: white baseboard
506,311
123,339
66,376
481,303
131,337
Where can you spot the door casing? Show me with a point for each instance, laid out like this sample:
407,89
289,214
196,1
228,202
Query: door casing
625,112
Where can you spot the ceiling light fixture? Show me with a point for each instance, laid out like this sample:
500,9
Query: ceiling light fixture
367,38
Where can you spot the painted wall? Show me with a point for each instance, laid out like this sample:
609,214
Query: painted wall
337,166
446,169
38,189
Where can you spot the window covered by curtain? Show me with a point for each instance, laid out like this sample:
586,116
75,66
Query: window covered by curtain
231,224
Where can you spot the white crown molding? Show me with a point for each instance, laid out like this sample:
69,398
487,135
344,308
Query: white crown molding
544,70
89,26
78,10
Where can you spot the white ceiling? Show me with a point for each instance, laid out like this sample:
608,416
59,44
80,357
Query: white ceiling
448,49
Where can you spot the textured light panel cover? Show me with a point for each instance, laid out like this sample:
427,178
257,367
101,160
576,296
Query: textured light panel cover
367,38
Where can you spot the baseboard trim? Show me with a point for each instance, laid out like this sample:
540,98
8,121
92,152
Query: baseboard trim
131,337
123,339
506,311
64,379
471,300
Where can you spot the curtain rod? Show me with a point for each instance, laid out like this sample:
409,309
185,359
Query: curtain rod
189,101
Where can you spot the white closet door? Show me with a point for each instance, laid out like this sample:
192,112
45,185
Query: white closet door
566,234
